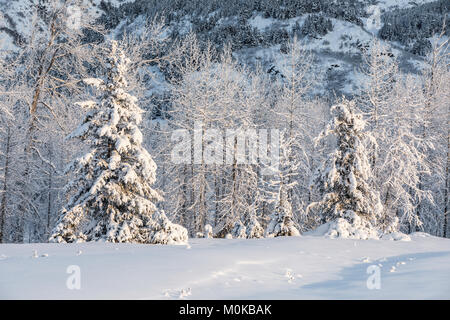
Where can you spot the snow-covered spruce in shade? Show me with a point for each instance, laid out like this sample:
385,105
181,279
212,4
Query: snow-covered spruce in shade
282,219
251,229
239,230
349,203
254,229
112,198
282,223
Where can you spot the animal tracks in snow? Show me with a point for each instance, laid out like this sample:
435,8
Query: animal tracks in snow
178,294
291,276
35,255
394,267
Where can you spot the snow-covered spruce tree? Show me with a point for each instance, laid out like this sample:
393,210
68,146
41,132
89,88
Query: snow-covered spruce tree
349,204
254,229
239,230
282,220
249,227
282,223
113,199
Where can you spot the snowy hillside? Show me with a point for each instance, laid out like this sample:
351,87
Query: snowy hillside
308,267
337,34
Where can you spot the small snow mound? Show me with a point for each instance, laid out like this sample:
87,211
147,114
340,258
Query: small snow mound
396,236
185,293
420,235
351,227
320,231
166,232
208,231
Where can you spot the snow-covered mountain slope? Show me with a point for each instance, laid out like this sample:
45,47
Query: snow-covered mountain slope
336,31
17,17
304,267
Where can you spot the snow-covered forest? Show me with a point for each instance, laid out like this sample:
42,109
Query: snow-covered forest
158,121
209,149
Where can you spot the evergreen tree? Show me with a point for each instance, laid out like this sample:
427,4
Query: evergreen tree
113,199
349,202
282,219
239,230
282,223
249,229
254,229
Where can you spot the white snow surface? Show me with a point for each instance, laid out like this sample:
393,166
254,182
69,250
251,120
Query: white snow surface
307,267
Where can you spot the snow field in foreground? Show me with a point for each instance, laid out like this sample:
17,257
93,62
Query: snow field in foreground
307,267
